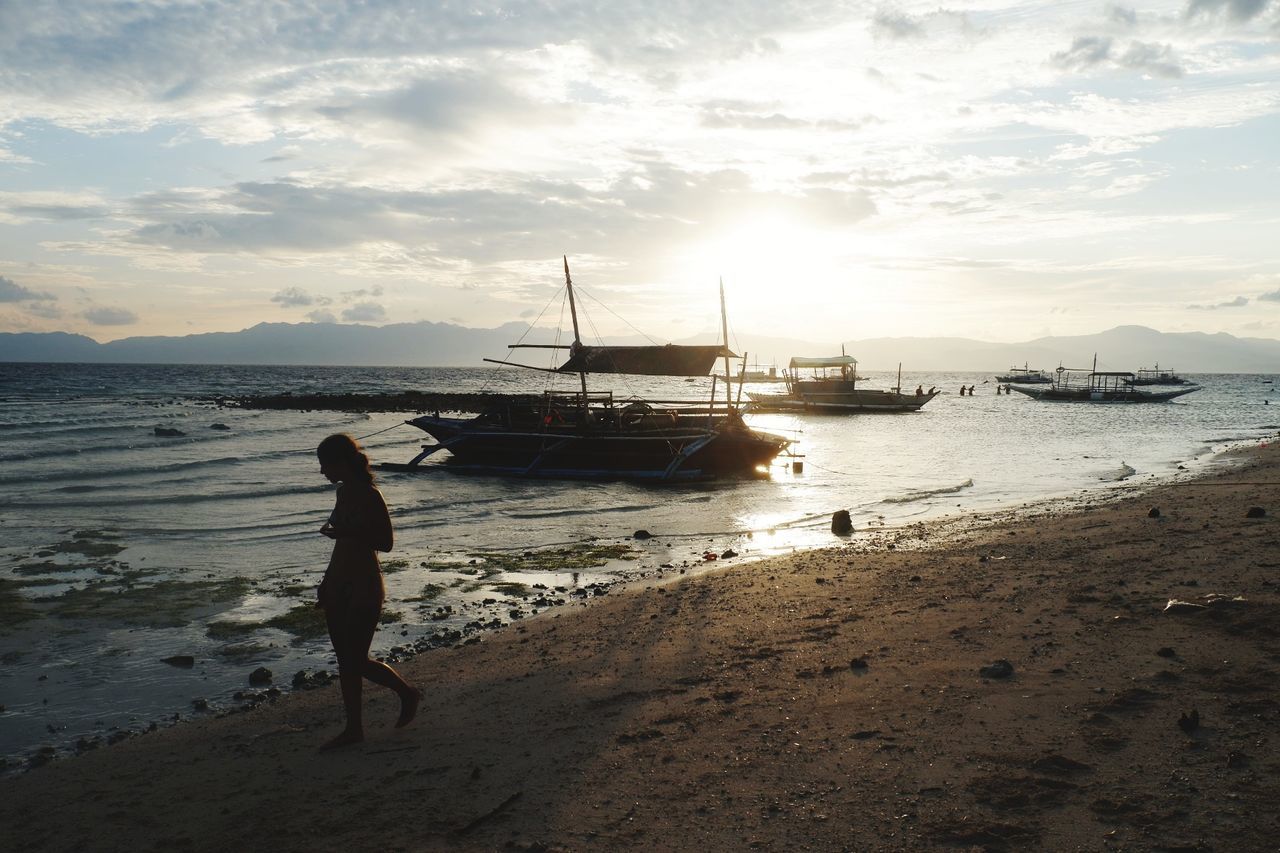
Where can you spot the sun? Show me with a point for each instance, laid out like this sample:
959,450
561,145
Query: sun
766,261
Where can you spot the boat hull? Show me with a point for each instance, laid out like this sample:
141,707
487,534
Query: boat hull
838,401
674,451
1086,395
1024,380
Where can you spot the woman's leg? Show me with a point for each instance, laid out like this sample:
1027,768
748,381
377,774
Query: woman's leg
352,634
379,673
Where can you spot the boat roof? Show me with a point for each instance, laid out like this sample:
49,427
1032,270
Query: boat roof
658,360
830,361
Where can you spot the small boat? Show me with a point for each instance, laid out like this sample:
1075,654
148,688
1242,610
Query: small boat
1156,376
1025,376
755,373
832,387
590,435
1094,386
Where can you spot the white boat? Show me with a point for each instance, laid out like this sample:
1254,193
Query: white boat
1025,376
832,386
1157,376
756,373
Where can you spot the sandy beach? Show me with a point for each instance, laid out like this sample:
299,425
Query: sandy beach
1010,682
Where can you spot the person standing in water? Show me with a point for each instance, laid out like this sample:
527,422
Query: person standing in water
352,591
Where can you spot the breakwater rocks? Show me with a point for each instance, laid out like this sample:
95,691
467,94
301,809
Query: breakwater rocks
405,401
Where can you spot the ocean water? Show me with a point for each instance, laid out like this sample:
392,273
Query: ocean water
121,548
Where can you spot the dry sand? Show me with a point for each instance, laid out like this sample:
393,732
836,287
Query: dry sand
827,701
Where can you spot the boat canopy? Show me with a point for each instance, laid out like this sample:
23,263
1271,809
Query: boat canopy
830,361
664,360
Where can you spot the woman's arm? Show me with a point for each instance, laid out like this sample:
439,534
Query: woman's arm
378,517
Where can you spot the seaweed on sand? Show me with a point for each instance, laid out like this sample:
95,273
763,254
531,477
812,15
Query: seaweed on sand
244,652
14,608
572,558
430,592
305,621
159,604
511,588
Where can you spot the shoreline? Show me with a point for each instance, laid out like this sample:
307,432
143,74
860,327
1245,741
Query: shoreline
666,557
727,708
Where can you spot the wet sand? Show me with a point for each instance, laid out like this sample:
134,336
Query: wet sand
829,700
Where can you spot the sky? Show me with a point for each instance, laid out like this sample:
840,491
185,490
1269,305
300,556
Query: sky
990,170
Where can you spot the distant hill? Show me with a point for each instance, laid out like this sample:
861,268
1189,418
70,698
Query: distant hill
1121,348
398,344
446,345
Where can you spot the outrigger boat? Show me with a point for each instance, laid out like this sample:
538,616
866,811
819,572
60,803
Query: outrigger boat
1025,375
833,387
590,435
1156,376
1094,386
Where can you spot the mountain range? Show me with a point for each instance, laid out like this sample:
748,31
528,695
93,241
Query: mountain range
429,344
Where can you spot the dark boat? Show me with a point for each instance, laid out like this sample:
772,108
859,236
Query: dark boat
590,435
1076,385
832,387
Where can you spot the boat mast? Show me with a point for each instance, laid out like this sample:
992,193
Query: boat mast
724,328
577,338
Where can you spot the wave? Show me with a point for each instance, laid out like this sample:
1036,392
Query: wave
569,512
925,494
119,499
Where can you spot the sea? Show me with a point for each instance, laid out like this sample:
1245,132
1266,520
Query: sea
147,579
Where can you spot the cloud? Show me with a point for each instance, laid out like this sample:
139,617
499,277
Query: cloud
47,310
136,65
721,115
1236,10
104,316
11,291
1085,52
896,25
1122,16
453,106
514,217
52,206
370,312
363,293
1155,59
322,316
1273,296
1238,302
1088,52
292,297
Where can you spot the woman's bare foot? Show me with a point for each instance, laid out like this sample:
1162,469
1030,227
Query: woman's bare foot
409,707
347,738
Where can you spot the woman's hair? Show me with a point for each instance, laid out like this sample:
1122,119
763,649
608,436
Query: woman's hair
342,449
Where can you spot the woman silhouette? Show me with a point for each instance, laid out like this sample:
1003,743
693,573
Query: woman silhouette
352,591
